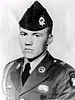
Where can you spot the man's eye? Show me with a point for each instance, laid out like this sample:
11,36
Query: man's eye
37,35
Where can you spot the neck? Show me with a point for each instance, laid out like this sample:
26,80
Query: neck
43,53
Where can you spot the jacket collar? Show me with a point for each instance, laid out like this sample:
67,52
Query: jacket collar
39,74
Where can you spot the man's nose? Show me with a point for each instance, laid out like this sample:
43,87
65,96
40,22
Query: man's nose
28,40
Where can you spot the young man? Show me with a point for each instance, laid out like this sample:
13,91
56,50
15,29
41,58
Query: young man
38,76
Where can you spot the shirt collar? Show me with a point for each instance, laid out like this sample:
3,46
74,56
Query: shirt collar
35,62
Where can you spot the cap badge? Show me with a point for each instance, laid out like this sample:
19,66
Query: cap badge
43,88
41,21
41,69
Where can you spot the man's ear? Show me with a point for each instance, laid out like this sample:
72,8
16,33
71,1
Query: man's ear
50,39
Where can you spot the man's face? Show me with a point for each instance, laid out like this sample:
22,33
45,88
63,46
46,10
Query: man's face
33,43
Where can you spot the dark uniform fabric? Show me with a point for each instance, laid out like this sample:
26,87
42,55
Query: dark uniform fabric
50,80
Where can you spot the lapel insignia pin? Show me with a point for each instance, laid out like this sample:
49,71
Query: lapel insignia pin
41,21
41,69
43,88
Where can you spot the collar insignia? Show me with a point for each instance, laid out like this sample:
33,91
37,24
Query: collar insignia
41,21
41,69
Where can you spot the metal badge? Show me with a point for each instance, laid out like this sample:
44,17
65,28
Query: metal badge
73,81
41,21
72,78
41,69
43,88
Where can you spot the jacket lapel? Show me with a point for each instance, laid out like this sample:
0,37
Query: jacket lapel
38,75
16,74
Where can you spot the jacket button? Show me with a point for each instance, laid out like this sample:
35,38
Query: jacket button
55,61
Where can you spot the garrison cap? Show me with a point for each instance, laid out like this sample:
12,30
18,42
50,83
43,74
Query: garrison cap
36,18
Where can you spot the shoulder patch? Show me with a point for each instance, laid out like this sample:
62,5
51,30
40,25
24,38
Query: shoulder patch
5,75
72,78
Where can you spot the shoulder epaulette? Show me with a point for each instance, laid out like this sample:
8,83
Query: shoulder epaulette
62,64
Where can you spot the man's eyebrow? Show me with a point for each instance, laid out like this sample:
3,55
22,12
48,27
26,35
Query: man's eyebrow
37,33
23,32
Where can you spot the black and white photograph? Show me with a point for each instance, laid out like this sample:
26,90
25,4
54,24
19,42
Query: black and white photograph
37,50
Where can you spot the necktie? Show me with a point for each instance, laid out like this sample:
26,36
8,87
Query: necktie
25,73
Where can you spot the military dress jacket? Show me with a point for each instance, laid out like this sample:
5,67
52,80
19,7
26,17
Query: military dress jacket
52,79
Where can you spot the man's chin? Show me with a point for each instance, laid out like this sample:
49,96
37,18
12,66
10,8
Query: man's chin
29,56
32,56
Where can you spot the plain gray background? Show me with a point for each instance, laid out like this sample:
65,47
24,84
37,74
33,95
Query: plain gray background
63,15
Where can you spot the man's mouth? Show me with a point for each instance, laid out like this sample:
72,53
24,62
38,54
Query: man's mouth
28,49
